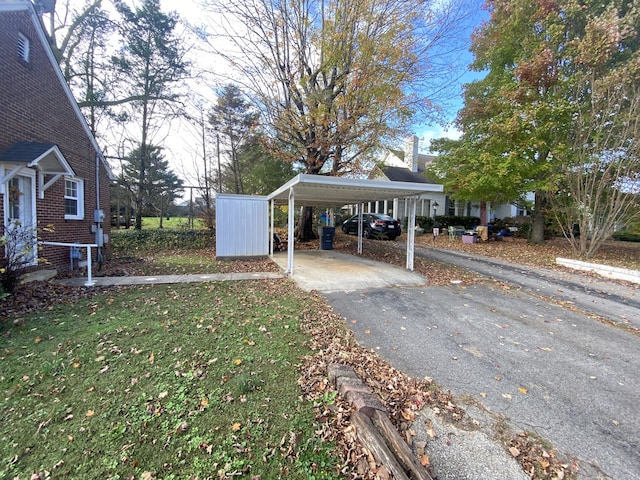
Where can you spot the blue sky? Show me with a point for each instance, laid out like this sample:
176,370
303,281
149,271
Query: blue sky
459,76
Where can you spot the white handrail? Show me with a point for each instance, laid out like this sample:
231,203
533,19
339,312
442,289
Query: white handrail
89,282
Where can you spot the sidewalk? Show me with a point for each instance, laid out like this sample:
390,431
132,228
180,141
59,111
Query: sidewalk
324,271
164,279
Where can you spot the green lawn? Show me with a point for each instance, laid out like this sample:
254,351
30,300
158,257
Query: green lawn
180,381
170,223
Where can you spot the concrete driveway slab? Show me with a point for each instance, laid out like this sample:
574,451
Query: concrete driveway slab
331,271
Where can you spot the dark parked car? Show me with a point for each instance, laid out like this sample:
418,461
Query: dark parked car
374,225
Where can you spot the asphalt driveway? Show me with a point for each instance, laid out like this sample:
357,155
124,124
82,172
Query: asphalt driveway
546,366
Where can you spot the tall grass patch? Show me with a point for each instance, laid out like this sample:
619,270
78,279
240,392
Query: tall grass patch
178,381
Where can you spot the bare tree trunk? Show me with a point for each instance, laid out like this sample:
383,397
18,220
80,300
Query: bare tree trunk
304,230
538,222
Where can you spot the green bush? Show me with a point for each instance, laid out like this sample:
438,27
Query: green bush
444,222
626,236
127,241
425,223
524,230
522,222
468,223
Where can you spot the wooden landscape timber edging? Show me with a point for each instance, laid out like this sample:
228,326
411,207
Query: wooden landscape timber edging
374,428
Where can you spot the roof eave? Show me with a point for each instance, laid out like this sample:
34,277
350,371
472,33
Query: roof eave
318,190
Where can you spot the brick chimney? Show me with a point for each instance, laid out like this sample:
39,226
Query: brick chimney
411,153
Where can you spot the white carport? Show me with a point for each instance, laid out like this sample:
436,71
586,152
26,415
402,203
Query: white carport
318,190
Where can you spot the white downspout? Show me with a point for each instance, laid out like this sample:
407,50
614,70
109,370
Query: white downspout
99,232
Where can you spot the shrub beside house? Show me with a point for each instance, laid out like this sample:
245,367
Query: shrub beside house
53,176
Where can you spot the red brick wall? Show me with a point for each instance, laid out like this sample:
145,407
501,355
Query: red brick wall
35,107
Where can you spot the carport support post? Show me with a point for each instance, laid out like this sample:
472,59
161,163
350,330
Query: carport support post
290,239
360,209
272,232
411,232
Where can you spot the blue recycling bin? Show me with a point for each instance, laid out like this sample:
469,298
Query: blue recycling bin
326,237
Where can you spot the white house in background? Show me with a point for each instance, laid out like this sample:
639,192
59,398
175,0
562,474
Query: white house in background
409,165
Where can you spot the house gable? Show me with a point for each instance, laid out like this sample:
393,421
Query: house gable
44,136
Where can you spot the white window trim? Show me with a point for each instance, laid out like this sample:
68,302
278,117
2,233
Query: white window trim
80,199
24,47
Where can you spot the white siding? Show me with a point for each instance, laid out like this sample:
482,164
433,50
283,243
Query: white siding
242,226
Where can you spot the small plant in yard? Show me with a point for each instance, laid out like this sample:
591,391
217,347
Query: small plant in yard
182,381
17,253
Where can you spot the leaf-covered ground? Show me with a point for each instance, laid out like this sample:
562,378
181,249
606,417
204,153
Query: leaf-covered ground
515,250
167,381
518,250
327,341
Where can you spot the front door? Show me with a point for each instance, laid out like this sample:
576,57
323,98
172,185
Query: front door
20,219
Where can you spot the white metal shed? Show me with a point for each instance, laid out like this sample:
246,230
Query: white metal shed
242,226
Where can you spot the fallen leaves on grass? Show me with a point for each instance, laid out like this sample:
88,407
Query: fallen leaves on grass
331,343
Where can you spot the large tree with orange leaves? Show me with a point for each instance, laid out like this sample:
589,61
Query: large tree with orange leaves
543,60
335,79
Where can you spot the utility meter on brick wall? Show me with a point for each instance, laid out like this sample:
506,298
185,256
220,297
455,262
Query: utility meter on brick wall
98,216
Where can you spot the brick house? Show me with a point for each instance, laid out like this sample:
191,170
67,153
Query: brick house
52,172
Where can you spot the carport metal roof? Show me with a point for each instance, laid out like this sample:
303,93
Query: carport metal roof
318,190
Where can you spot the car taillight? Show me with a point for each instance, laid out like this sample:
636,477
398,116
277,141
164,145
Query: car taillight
380,223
